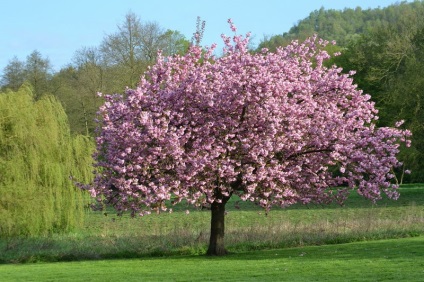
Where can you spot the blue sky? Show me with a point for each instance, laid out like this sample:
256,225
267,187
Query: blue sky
58,28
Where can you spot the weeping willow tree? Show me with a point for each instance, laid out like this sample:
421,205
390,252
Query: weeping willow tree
37,157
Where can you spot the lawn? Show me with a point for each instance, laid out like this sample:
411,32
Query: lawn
383,260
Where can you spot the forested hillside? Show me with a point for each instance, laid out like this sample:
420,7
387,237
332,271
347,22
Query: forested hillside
385,46
346,25
117,62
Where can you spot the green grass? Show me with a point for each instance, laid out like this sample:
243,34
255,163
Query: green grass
108,237
384,260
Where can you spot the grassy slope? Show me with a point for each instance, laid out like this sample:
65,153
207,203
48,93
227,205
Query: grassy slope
397,260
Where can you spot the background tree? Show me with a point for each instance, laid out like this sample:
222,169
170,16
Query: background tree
272,128
75,89
89,63
151,41
129,51
388,60
88,79
173,42
13,74
123,50
37,157
110,67
38,72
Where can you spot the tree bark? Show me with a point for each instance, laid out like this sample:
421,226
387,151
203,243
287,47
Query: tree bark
216,242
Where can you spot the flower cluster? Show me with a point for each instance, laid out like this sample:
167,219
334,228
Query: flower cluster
273,128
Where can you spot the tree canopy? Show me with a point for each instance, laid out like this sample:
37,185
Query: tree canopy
272,128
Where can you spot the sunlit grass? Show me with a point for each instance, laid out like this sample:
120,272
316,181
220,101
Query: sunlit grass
385,260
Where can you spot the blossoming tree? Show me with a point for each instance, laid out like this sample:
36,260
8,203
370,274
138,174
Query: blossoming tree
272,128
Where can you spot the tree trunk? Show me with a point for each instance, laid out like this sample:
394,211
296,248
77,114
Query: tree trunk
216,243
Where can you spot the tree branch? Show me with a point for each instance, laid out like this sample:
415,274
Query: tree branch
295,155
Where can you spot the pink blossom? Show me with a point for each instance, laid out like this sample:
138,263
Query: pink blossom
399,123
270,127
232,26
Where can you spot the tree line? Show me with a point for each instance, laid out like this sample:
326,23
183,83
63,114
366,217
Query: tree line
47,123
117,62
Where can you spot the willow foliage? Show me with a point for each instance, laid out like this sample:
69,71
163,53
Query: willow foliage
37,157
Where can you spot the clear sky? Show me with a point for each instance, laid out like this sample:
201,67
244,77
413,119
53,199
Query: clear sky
58,28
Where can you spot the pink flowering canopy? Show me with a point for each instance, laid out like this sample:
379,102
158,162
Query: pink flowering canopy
273,128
